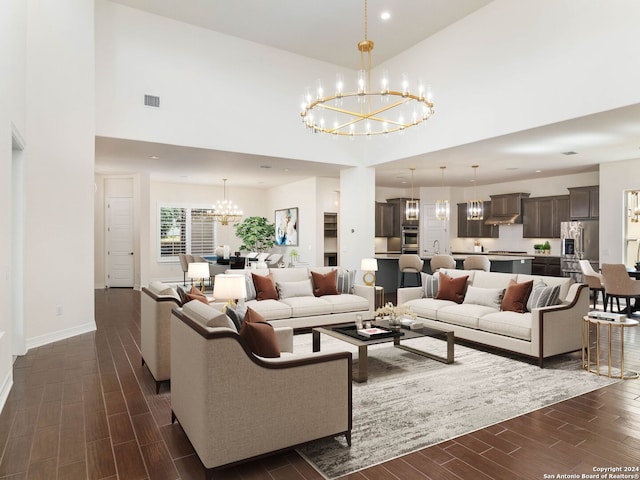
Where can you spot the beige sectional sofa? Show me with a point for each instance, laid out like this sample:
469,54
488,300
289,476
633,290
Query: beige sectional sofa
304,310
234,405
540,333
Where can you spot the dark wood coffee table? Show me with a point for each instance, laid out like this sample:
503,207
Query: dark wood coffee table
404,334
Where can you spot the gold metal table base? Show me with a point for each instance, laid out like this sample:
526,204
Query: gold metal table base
594,367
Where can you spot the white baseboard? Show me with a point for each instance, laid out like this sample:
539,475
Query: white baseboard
5,388
99,286
60,335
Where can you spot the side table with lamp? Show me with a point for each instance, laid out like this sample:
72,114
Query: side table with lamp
369,266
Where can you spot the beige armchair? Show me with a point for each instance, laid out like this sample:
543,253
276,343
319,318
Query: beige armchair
442,261
477,262
185,260
409,263
156,304
619,285
235,406
595,282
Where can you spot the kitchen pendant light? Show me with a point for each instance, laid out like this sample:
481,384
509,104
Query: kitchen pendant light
442,205
412,210
475,208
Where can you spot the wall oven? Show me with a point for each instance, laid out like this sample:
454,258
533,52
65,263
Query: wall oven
410,241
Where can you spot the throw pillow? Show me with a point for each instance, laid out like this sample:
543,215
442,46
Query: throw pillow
346,280
294,289
489,297
451,288
543,295
325,284
251,288
233,315
430,284
516,296
265,287
195,294
259,335
182,294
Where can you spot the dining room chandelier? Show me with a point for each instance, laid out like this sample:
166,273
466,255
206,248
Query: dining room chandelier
475,207
442,205
366,110
225,211
412,208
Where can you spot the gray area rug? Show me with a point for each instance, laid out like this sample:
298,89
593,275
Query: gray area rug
411,402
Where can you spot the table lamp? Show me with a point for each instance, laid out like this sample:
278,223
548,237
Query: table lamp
198,270
369,266
230,287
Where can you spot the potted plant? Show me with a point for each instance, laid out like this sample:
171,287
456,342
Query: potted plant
546,247
256,233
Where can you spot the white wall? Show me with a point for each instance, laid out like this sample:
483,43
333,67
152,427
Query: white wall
515,65
59,162
615,178
215,90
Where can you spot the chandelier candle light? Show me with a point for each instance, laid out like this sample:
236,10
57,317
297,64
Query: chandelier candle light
225,211
442,205
366,110
475,208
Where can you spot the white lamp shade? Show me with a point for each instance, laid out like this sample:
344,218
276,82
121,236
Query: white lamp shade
198,270
229,286
369,265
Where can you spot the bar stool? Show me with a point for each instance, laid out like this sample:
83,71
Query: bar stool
409,263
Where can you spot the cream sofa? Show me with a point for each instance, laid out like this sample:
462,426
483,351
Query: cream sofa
541,333
157,301
235,406
309,311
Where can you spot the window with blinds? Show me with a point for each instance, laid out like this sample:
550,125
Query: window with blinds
185,230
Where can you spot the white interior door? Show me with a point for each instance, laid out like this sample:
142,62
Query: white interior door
120,258
435,233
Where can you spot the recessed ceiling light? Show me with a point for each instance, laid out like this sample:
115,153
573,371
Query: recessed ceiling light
571,152
385,16
265,166
154,157
512,168
538,171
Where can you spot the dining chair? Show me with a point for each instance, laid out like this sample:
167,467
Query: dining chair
442,261
409,263
477,262
619,284
595,282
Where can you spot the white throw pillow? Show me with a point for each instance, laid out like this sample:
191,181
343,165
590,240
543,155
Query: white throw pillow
294,289
430,284
489,297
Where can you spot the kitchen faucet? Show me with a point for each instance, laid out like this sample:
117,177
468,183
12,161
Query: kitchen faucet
436,246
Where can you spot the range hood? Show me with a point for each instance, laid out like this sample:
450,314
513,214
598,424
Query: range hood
502,219
506,209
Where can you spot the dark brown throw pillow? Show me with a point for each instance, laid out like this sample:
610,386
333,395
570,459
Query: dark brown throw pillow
259,335
452,288
265,287
516,296
195,294
325,284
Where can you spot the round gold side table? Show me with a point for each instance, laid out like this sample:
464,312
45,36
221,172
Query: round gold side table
594,367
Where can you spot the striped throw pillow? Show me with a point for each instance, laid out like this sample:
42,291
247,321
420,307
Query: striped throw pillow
430,284
345,281
543,295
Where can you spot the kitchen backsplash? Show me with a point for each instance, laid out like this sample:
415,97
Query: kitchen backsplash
510,239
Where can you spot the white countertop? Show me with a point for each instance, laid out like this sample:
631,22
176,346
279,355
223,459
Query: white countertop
460,256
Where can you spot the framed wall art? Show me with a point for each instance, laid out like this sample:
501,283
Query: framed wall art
287,227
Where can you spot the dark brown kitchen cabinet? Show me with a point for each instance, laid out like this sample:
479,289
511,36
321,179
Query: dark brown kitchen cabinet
401,208
546,265
541,216
475,228
584,202
385,219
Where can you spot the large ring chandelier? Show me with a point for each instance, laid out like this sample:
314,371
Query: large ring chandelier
366,111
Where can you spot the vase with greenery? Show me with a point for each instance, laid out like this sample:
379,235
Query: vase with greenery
256,233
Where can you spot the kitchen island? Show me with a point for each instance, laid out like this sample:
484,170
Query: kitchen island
388,274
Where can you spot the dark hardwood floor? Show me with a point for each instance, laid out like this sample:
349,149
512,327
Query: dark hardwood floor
86,408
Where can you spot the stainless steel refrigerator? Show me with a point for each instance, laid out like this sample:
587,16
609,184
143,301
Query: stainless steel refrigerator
579,241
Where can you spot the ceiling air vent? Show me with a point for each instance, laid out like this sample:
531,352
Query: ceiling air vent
152,101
